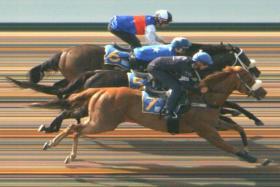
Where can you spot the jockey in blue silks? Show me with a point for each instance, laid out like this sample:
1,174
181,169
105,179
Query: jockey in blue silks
143,55
127,27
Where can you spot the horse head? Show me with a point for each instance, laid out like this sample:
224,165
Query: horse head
239,58
247,83
222,84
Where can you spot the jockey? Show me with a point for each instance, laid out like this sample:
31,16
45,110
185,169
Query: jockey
127,27
163,70
143,55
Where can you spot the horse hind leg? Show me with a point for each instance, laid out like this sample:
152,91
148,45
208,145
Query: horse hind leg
73,154
58,138
55,124
37,73
66,114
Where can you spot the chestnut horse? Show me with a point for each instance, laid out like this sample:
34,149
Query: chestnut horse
113,78
108,107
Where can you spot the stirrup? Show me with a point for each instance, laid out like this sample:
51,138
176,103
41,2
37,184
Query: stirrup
143,75
172,115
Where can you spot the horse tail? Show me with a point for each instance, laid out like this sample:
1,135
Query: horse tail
74,101
37,73
78,84
37,87
55,104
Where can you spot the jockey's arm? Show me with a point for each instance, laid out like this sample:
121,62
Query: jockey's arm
152,37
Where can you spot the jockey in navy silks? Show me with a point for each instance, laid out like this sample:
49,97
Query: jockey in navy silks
164,70
127,27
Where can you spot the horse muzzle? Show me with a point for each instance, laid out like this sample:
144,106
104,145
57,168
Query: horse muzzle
258,91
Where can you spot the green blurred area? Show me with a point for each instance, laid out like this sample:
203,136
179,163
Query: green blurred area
172,27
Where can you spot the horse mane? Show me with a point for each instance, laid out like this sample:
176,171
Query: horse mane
219,75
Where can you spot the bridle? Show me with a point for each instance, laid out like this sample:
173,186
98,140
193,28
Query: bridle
238,60
253,88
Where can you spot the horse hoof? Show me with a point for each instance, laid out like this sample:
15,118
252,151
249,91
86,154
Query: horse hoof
41,128
246,156
46,146
67,160
259,123
266,162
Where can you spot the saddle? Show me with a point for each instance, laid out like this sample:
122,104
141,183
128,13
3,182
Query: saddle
123,58
120,48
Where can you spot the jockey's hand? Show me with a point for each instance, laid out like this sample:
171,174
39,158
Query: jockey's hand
204,89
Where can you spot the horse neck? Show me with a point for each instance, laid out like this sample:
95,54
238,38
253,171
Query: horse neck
212,49
209,48
222,85
220,54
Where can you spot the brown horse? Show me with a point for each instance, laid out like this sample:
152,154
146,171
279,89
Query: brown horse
74,61
108,107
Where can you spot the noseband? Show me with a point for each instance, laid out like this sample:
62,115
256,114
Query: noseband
238,60
253,88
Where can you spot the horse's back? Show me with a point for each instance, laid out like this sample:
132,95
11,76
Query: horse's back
79,59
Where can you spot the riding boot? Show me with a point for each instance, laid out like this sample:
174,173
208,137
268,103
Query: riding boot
133,63
172,121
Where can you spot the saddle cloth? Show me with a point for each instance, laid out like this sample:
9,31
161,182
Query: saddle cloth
136,82
116,58
152,105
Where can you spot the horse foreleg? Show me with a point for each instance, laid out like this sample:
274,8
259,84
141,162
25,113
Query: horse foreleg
212,136
248,114
228,123
230,111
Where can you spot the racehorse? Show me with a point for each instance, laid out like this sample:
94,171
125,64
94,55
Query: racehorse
113,78
222,55
74,61
108,107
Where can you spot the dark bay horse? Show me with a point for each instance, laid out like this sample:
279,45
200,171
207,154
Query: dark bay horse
74,61
108,107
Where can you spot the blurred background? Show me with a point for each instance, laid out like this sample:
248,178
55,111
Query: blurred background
100,11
